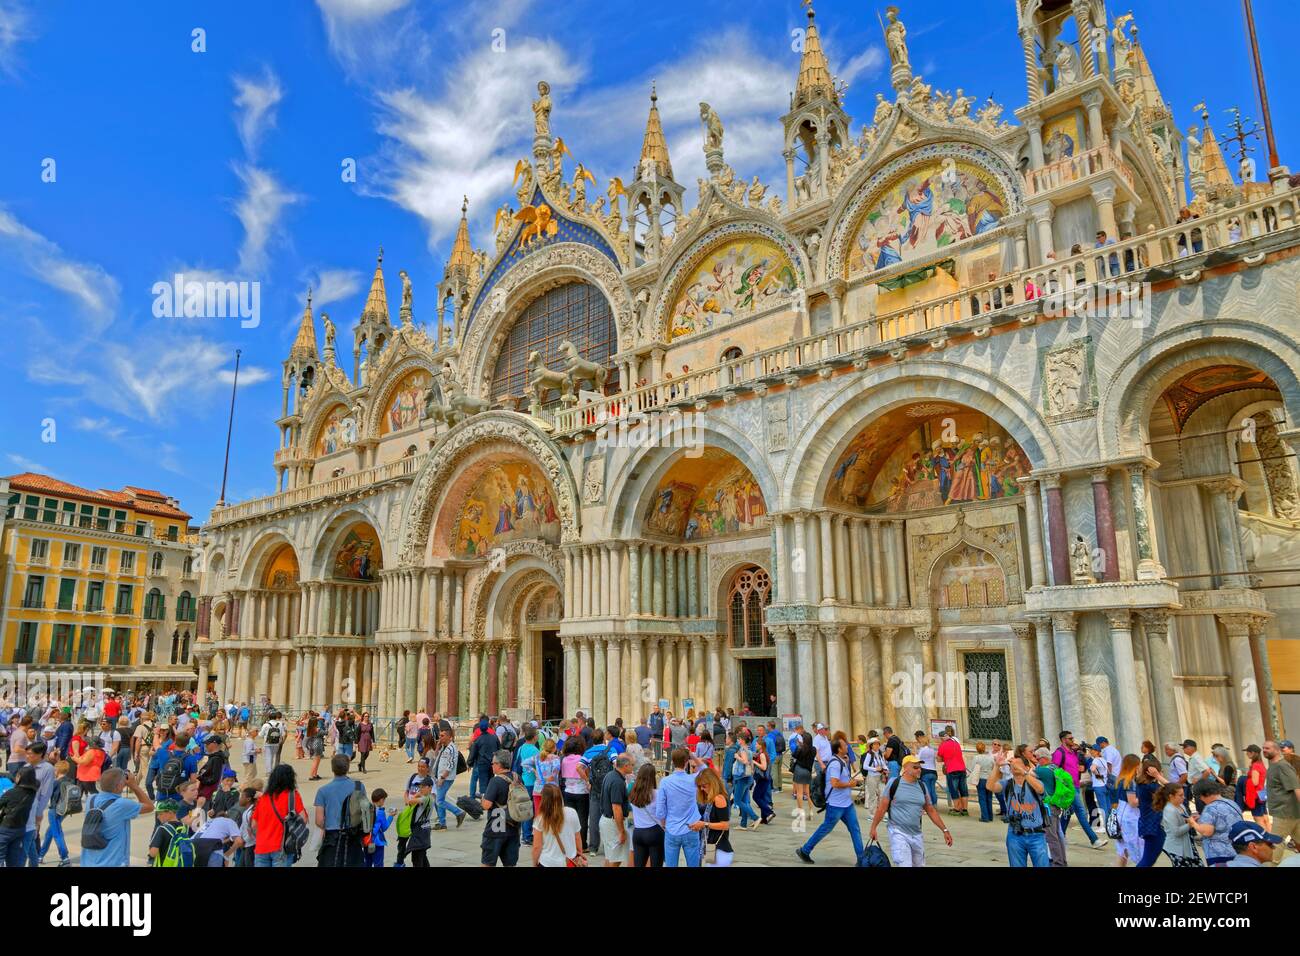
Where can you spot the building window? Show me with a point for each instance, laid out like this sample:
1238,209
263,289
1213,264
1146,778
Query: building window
127,562
67,594
50,512
40,551
119,647
25,652
176,647
187,568
119,522
98,558
185,648
751,591
31,507
575,312
125,599
61,644
88,652
141,529
71,555
148,647
154,605
34,595
95,596
172,532
989,673
185,610
156,563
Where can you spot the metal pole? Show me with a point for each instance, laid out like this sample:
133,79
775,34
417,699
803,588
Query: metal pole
1273,161
230,427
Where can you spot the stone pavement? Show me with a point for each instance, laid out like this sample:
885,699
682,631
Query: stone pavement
974,843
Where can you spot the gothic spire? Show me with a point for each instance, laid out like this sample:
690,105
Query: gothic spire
654,147
376,308
462,252
814,72
304,345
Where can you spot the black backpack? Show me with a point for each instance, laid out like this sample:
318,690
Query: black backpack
461,766
296,831
92,828
172,772
597,771
274,733
68,801
508,738
817,792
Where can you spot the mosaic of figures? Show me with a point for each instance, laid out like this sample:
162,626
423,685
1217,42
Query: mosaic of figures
928,208
511,501
736,279
338,432
927,455
282,570
729,503
359,556
407,402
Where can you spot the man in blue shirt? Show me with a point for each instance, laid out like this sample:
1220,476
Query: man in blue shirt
839,781
118,813
341,843
675,805
63,735
775,753
599,747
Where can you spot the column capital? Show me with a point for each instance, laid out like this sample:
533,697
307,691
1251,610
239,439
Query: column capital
888,632
1103,190
1120,619
1230,486
1023,630
1030,484
1242,625
832,632
1053,481
781,633
1154,620
1092,98
1064,620
1099,475
923,634
804,632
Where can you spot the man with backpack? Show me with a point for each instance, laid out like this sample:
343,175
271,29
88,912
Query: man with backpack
501,831
1028,818
1054,778
776,750
507,733
893,752
172,765
1066,757
656,727
446,765
106,830
481,749
171,844
598,761
272,733
345,815
832,791
904,800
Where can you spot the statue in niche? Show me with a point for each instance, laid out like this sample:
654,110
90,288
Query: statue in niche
1063,374
542,111
1195,153
1067,64
1081,562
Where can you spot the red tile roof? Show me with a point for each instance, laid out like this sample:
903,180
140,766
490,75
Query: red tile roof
142,500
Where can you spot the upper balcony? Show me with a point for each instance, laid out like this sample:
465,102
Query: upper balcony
1079,170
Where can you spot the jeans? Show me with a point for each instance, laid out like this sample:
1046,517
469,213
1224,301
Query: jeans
1104,802
274,859
849,816
742,788
1027,848
54,834
346,749
895,768
375,859
148,782
474,779
1079,811
1151,847
13,846
763,798
929,778
443,805
410,748
688,843
986,801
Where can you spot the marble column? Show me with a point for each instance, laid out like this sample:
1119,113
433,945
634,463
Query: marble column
585,694
1049,698
402,702
1068,682
493,681
1125,688
671,592
614,680
1224,493
1034,529
1056,533
888,668
306,690
431,677
411,687
899,562
713,696
635,702
282,700
512,675
838,679
1105,517
1031,717
321,692
1149,567
781,589
572,685
381,678
634,579
827,552
1249,724
805,691
857,573
453,681
799,559
1264,677
691,672
669,688
843,561
821,693
599,680
352,693
657,575
878,598
202,686
873,713
785,697
925,637
692,583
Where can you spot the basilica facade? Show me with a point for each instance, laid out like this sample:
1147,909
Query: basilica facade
973,419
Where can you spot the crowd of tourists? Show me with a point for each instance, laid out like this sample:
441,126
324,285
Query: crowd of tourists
669,791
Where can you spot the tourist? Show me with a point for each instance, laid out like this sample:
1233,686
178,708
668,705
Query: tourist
272,734
300,737
500,833
1179,837
1215,821
954,771
116,814
545,770
742,785
716,821
347,729
1150,824
315,735
410,734
803,753
141,740
776,747
647,829
525,764
365,741
374,845
341,844
418,840
893,751
763,782
1028,819
250,751
561,832
19,738
214,763
1254,789
1067,757
267,818
1177,768
928,754
1283,786
445,767
677,737
655,725
16,807
1099,782
840,781
1253,845
675,804
904,800
482,748
65,796
615,811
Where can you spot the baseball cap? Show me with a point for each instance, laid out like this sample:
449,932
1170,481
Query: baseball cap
168,806
910,758
1287,744
1243,832
819,726
1102,740
229,772
1189,742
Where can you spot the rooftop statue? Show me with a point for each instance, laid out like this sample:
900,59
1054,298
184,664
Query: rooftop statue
542,111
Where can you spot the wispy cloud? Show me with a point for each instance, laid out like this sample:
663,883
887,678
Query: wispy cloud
26,464
100,426
89,284
15,28
333,285
256,100
259,210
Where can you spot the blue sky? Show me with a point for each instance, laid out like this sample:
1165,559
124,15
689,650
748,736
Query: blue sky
227,163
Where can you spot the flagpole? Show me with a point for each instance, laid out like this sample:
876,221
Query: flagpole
1273,161
230,427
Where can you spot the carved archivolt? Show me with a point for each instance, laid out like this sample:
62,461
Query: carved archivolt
481,589
401,360
459,445
540,271
998,540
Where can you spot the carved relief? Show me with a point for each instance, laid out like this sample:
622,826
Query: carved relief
998,541
593,480
778,428
1067,380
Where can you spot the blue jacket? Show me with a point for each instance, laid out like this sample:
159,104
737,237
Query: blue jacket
189,764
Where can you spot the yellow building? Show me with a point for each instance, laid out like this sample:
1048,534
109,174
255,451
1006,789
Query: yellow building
99,581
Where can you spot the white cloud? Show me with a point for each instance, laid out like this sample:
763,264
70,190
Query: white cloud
26,464
89,284
256,100
100,426
332,285
868,63
259,210
14,29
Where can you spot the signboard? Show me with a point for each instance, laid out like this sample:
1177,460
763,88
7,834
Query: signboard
790,723
688,703
939,724
664,703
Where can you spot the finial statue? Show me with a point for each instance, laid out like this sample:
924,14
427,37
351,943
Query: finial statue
712,127
896,39
309,298
883,109
329,331
406,290
1123,48
1195,152
1067,65
542,111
